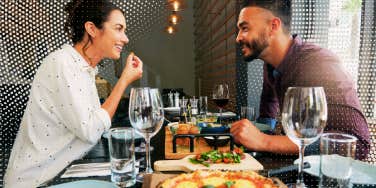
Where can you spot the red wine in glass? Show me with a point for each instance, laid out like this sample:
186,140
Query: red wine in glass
221,97
221,103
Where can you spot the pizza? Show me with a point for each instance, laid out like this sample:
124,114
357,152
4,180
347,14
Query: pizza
218,179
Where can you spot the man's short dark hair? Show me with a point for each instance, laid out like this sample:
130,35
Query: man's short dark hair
280,9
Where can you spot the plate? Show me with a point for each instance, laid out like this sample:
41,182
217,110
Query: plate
224,114
172,109
262,127
136,135
86,184
362,172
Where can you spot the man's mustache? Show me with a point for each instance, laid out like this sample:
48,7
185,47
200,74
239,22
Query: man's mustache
244,44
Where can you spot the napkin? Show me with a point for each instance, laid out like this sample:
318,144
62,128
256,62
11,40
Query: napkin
93,169
86,170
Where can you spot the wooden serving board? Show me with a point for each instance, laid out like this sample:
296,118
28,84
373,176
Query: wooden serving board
248,163
182,151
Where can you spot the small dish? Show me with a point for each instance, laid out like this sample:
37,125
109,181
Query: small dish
221,141
214,130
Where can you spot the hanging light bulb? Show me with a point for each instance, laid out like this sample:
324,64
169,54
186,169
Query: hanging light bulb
170,29
175,5
174,18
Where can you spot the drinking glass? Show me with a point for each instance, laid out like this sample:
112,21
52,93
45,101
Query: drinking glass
146,116
121,148
203,105
248,112
194,106
221,96
304,118
337,152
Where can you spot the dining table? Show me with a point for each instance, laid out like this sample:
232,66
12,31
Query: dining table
99,153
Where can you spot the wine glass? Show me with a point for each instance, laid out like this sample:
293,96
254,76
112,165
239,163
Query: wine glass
221,97
304,118
158,112
146,116
142,148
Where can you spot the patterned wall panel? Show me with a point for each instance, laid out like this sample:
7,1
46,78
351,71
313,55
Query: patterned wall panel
30,30
367,70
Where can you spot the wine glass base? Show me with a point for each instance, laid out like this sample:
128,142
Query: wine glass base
140,176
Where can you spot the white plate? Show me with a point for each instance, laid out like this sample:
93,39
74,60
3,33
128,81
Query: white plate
86,184
263,127
362,172
137,136
172,109
224,114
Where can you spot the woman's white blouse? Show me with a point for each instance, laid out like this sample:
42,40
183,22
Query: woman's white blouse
63,120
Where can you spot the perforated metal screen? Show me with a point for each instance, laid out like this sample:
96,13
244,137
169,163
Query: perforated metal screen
348,29
30,30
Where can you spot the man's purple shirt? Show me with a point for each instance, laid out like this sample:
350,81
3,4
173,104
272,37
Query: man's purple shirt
305,65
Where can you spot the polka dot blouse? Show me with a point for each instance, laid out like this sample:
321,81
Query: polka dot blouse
62,121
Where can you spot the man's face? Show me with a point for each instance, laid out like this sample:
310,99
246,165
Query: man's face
252,36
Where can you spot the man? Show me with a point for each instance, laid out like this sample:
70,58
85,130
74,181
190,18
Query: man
264,33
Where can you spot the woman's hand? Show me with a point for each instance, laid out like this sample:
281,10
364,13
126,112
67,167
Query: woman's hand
133,68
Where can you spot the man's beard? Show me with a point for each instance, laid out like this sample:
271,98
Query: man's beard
256,47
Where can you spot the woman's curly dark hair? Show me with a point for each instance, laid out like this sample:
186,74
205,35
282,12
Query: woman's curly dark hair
82,11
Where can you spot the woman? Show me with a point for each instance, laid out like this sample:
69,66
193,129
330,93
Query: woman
63,118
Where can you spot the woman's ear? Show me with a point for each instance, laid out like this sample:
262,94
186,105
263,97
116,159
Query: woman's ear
91,29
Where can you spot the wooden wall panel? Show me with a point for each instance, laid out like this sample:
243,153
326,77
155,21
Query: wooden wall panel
215,47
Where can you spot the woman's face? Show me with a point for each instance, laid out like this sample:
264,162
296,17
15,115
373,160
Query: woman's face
111,37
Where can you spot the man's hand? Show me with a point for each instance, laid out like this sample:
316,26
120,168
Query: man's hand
251,137
248,135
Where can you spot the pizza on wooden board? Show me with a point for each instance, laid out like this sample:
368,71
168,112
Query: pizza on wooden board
218,179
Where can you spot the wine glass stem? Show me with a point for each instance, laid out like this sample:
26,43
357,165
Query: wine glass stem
220,115
300,181
148,169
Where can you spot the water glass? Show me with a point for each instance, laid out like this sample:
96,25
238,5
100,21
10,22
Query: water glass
203,105
194,108
183,107
248,112
337,152
121,148
171,100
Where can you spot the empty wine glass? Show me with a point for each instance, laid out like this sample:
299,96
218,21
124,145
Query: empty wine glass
146,116
304,118
221,97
